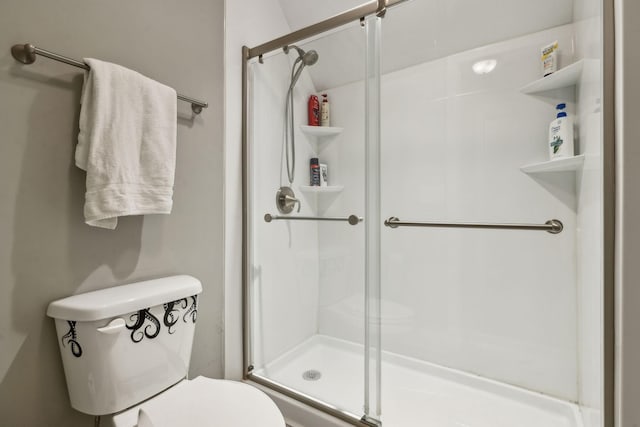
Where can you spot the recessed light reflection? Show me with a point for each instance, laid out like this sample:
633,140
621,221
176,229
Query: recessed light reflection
484,67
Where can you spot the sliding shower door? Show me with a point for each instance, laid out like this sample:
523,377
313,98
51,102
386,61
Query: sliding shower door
307,293
491,254
420,259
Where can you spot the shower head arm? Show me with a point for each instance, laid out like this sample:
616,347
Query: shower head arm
300,51
307,58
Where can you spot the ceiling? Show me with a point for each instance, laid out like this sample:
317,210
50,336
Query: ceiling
419,31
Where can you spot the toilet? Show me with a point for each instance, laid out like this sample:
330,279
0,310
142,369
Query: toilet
126,351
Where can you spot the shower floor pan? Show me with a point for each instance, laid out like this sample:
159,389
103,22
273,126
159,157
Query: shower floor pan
415,393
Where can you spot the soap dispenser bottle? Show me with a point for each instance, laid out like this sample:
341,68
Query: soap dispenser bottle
561,135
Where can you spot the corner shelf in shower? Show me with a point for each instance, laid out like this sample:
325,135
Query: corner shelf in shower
321,190
320,131
564,77
565,164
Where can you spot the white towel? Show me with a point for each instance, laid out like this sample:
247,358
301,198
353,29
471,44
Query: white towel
127,144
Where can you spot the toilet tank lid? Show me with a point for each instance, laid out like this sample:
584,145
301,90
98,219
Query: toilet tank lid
124,299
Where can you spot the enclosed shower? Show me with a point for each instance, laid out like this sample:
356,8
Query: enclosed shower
450,273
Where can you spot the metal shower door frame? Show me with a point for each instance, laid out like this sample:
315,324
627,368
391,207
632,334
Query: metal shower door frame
378,8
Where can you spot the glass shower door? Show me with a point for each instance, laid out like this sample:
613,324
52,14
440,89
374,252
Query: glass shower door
485,258
448,273
307,292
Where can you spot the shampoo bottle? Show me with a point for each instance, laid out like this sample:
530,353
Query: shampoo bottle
324,111
561,135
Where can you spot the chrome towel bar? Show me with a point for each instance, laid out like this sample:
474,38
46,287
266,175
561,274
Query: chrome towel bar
552,226
26,53
351,219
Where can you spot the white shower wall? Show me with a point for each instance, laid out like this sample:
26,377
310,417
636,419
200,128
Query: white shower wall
501,304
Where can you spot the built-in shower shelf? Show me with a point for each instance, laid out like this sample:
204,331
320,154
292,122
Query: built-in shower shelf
321,131
321,190
564,77
564,164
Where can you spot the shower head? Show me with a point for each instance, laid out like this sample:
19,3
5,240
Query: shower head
310,57
307,58
304,58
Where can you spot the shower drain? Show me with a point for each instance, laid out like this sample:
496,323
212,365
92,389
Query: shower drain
311,375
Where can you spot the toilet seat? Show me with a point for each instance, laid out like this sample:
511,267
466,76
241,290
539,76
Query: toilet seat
204,402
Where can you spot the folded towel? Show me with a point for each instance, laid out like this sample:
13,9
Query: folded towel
127,144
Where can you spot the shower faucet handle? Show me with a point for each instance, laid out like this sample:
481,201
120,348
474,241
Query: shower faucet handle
292,201
286,200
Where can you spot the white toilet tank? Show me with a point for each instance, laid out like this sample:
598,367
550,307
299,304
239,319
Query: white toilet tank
124,344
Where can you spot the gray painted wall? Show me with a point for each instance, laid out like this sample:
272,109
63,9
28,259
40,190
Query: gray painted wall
46,251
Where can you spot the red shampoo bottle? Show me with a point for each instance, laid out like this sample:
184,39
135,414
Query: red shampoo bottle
314,111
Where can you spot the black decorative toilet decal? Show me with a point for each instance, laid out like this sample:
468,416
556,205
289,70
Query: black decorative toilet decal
71,338
171,308
170,318
150,331
193,309
145,324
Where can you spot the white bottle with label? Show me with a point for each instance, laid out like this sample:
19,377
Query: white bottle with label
324,175
324,111
561,135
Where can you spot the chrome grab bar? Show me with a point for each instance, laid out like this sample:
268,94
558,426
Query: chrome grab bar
351,219
552,226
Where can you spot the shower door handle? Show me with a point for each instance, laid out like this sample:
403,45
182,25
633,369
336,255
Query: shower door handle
553,226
